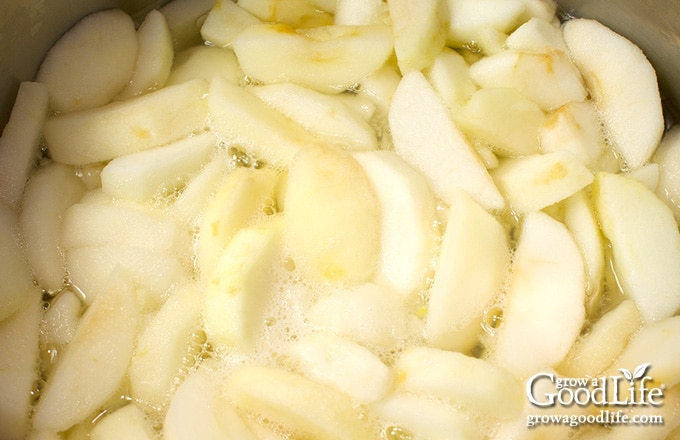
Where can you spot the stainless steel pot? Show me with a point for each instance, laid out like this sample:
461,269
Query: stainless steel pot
29,27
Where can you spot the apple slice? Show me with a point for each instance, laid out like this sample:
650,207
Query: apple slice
450,77
647,174
667,156
20,140
538,35
61,319
154,57
370,314
205,62
424,417
90,63
239,201
295,13
533,182
325,116
360,12
441,152
548,78
161,347
17,278
127,422
327,59
123,127
474,259
331,217
544,309
95,362
239,288
141,175
380,86
574,127
470,17
225,21
504,119
240,117
198,410
645,246
408,216
610,64
472,383
19,338
307,408
419,31
592,354
51,190
342,364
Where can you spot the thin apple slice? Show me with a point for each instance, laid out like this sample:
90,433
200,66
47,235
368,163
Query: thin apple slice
123,127
537,34
308,408
419,31
474,259
472,383
294,13
360,12
450,76
17,284
370,314
141,175
154,57
331,215
533,182
95,362
239,116
205,62
51,190
544,309
548,78
645,246
610,64
20,140
90,63
380,86
504,119
239,288
198,410
239,201
324,115
424,417
225,21
468,18
667,156
60,321
574,127
128,422
342,364
19,338
592,354
441,152
408,216
162,345
327,59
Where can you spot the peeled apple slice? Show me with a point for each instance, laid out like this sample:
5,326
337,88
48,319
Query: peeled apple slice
19,338
239,288
474,384
544,312
20,140
204,62
154,57
407,219
450,76
610,65
470,17
310,409
50,192
91,62
327,59
441,152
645,246
331,217
124,127
295,13
95,362
127,422
473,262
225,21
667,156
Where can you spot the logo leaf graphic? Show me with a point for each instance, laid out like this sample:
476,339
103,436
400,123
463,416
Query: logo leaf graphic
640,371
626,374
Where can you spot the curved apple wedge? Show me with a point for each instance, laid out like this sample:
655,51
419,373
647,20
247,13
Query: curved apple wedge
95,362
623,84
544,312
645,246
